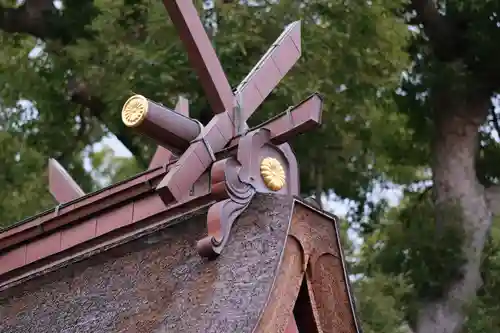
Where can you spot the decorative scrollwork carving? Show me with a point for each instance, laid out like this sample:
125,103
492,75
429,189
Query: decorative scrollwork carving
236,195
236,179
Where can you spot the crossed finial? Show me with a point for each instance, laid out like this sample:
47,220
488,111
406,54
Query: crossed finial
182,135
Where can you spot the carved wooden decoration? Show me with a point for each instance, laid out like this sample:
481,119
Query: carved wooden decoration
162,155
226,124
264,162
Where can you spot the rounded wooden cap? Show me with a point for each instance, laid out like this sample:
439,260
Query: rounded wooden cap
135,110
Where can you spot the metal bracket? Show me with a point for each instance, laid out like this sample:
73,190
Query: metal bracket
239,123
209,149
56,210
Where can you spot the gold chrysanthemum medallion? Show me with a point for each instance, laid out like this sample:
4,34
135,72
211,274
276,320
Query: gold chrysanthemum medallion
272,173
134,110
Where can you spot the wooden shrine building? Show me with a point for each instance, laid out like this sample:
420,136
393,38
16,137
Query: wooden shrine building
213,237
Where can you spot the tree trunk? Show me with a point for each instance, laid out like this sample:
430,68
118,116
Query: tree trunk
457,122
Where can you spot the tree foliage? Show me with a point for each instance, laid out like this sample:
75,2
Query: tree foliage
23,186
403,264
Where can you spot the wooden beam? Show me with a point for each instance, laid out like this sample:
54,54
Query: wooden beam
201,54
162,155
298,119
270,70
97,202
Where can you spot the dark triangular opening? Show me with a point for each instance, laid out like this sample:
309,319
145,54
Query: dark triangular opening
302,311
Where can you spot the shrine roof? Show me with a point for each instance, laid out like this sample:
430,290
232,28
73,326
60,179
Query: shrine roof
154,280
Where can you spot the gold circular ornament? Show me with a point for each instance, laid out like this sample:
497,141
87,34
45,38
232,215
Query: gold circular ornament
134,110
272,173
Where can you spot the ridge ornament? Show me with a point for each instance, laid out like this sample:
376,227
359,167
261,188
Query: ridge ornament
240,161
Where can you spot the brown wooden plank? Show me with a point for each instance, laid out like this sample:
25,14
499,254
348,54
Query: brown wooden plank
13,259
279,310
61,185
292,326
297,120
270,70
331,296
134,214
201,54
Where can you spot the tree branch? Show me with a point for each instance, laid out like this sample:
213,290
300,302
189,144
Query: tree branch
40,19
30,18
79,93
438,29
